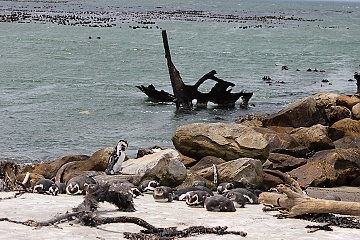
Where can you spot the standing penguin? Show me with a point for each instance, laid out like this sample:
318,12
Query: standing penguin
117,158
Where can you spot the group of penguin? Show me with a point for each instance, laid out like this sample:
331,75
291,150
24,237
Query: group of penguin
75,186
226,198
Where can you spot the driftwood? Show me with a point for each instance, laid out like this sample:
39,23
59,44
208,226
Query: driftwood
156,95
184,94
293,202
150,232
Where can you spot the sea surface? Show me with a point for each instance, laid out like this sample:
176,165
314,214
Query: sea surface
68,69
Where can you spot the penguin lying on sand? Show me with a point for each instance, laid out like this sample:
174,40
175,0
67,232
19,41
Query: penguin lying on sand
148,186
47,186
181,193
163,194
196,198
227,186
77,185
219,203
250,197
237,198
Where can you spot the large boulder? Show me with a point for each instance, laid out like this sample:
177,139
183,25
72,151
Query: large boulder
348,142
284,162
336,113
315,137
302,113
246,170
277,140
50,168
164,166
226,141
329,168
344,127
324,101
356,111
97,162
347,101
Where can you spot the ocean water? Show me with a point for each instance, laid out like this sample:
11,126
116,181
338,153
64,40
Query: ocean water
69,87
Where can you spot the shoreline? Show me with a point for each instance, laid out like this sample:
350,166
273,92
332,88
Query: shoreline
251,220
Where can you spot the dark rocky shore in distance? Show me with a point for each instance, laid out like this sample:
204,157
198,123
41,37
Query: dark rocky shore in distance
116,17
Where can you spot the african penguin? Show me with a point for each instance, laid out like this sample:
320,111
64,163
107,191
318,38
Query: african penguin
250,197
117,158
148,186
219,203
181,193
57,188
237,198
196,198
125,187
77,185
163,194
46,186
227,186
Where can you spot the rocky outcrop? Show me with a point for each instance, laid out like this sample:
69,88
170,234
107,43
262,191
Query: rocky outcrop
164,166
344,127
50,168
277,139
315,137
322,108
356,111
302,113
348,142
226,141
347,101
284,162
328,168
97,162
246,170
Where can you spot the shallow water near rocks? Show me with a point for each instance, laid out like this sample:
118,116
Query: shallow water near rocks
71,89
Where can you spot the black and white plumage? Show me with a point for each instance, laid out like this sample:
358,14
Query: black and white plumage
117,158
196,198
227,186
45,186
250,197
237,198
181,193
77,185
163,194
104,192
57,188
148,186
126,187
219,203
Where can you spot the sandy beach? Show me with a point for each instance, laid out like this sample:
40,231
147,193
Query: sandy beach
251,219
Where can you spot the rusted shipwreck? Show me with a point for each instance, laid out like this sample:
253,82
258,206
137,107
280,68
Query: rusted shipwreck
184,94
